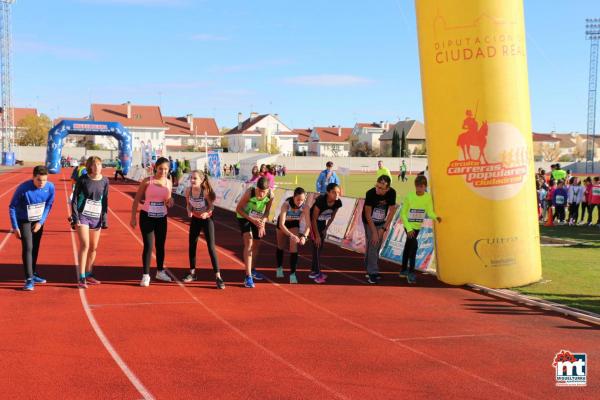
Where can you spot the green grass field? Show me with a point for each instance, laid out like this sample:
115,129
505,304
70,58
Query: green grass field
571,275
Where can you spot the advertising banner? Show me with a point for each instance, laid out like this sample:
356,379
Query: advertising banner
479,142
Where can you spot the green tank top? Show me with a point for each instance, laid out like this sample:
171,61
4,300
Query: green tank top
256,207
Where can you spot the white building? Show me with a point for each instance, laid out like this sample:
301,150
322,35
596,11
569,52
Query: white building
369,133
145,123
189,132
329,141
261,133
301,141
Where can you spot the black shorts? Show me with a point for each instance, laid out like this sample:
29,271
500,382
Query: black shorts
247,226
289,224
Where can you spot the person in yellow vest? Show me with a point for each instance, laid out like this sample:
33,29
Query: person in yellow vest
382,170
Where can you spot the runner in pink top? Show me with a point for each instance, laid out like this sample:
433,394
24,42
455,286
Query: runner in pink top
156,192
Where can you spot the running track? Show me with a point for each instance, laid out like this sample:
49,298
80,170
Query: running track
342,340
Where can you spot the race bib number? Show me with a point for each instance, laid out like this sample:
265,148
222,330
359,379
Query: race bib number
256,214
378,215
416,215
560,200
92,209
199,205
293,215
157,209
596,191
325,215
35,211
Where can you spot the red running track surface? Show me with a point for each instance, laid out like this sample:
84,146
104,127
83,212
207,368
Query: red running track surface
344,339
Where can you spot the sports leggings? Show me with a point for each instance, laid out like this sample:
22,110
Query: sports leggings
30,245
409,256
208,227
153,228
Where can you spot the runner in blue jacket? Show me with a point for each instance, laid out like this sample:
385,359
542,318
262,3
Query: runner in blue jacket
28,210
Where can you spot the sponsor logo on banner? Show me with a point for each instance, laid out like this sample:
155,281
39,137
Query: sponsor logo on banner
492,158
570,368
497,251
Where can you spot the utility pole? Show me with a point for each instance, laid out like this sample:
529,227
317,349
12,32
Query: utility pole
592,32
7,124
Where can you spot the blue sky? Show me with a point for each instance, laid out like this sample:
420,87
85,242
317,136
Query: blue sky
316,63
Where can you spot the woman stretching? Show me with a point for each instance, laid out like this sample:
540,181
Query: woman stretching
156,192
292,212
89,207
200,197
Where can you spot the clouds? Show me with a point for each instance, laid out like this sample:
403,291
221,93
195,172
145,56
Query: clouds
169,3
327,80
208,37
59,51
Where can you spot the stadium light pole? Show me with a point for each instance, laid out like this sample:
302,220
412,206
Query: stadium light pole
592,32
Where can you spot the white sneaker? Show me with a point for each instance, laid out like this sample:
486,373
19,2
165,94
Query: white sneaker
163,276
279,273
145,280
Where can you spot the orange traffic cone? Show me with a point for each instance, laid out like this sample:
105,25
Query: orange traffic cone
550,220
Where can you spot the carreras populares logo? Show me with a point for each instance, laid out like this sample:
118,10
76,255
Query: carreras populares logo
571,368
492,157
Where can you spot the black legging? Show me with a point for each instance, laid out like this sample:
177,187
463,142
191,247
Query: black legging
573,211
316,264
118,172
30,246
591,212
409,256
208,227
153,228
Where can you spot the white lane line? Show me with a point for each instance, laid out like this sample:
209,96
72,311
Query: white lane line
441,337
229,324
358,325
5,240
103,339
9,190
148,303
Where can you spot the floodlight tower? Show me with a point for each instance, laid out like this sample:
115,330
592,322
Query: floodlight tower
7,123
592,32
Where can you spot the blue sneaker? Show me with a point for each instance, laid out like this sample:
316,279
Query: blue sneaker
411,278
29,285
38,279
249,283
257,275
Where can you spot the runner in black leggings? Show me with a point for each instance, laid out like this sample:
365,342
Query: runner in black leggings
30,205
322,214
200,197
156,192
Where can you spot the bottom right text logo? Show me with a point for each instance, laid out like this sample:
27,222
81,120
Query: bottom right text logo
571,368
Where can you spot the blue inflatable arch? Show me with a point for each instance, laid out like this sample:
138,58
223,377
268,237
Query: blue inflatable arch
57,134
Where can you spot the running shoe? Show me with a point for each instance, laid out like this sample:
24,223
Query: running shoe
220,283
145,280
38,279
29,285
376,276
371,279
279,273
189,277
411,278
293,278
403,273
249,283
321,278
81,284
313,274
257,276
92,281
163,276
